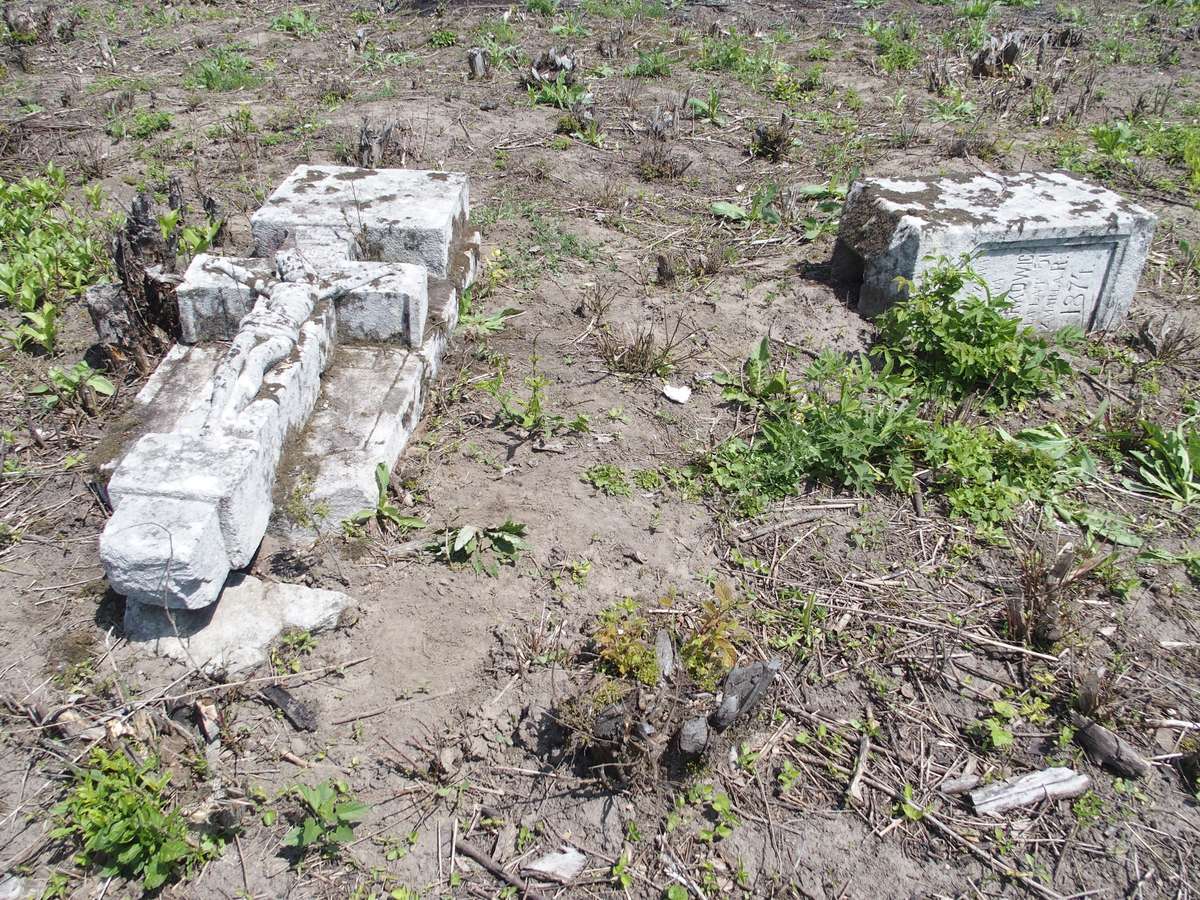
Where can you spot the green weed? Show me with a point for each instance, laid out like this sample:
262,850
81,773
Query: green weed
117,813
608,479
296,21
330,815
65,386
650,64
384,512
559,93
624,642
225,69
956,345
483,549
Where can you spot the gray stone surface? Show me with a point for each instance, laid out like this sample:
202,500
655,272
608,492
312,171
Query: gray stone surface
383,302
211,303
1066,252
372,400
193,490
165,553
234,634
231,474
399,215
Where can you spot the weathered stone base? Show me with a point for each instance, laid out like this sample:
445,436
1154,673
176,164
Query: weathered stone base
1064,251
233,634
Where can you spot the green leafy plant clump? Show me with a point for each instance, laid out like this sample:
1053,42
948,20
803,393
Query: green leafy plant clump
225,69
47,252
296,21
484,549
116,812
955,345
861,429
329,818
625,643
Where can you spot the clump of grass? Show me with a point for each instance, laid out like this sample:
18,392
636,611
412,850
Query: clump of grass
141,124
895,44
650,64
225,69
296,21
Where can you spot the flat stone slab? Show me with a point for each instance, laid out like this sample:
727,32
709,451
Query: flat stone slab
398,215
1065,251
233,634
370,404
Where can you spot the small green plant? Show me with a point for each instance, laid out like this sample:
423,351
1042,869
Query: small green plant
609,479
329,814
442,38
1167,462
724,821
67,385
116,811
559,93
909,809
542,7
530,415
36,328
482,325
709,108
957,346
385,512
650,64
292,647
762,207
621,876
895,44
225,69
483,549
994,732
1088,808
141,124
709,651
296,21
624,643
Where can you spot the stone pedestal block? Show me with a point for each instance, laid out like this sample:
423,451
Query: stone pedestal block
396,215
1066,252
211,303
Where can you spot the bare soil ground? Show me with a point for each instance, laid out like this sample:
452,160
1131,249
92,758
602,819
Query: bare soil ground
461,706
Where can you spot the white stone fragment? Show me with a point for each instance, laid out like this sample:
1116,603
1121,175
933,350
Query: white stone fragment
677,393
234,634
231,474
1066,252
560,867
397,215
169,554
212,303
382,302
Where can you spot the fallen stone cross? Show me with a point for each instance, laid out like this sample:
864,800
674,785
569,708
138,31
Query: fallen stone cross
306,363
1066,252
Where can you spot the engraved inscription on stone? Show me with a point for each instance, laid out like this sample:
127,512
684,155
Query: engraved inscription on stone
1052,284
